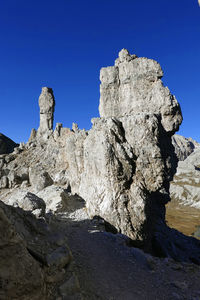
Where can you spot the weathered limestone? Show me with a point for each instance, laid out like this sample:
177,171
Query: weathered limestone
39,178
47,104
124,165
27,201
183,146
185,187
121,167
133,86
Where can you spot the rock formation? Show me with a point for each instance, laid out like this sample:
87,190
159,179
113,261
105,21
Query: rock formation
124,164
34,257
6,144
121,168
47,104
183,146
134,86
185,187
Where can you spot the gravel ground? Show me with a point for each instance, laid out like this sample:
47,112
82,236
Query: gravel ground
109,269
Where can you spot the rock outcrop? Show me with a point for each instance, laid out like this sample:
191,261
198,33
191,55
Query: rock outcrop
121,168
185,187
125,162
134,86
47,104
35,260
183,146
6,144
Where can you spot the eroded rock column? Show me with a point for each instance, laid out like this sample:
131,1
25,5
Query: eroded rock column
47,105
128,159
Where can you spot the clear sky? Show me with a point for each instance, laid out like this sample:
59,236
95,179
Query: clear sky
64,43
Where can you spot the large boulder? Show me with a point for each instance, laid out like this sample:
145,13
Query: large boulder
39,178
34,257
25,200
21,275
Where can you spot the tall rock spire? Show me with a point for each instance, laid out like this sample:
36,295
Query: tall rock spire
47,105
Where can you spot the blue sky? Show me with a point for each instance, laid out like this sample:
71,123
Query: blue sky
63,44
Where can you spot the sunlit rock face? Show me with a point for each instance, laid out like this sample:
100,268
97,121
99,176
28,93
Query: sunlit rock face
126,160
134,86
183,146
185,187
47,104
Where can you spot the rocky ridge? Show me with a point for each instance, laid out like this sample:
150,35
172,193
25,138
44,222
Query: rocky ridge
121,168
183,146
185,187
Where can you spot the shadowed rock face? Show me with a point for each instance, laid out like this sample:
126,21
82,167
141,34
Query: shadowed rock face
6,144
127,159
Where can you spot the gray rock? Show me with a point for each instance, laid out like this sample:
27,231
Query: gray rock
39,178
54,197
47,104
123,165
183,146
26,201
32,203
134,86
185,187
32,135
3,182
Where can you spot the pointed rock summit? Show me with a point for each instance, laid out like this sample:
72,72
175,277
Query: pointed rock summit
133,85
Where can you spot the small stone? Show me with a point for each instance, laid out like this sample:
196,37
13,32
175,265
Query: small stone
59,258
3,182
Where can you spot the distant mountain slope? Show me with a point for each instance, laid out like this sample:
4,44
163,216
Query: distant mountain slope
185,188
183,146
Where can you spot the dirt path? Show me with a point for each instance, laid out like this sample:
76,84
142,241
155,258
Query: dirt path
108,269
